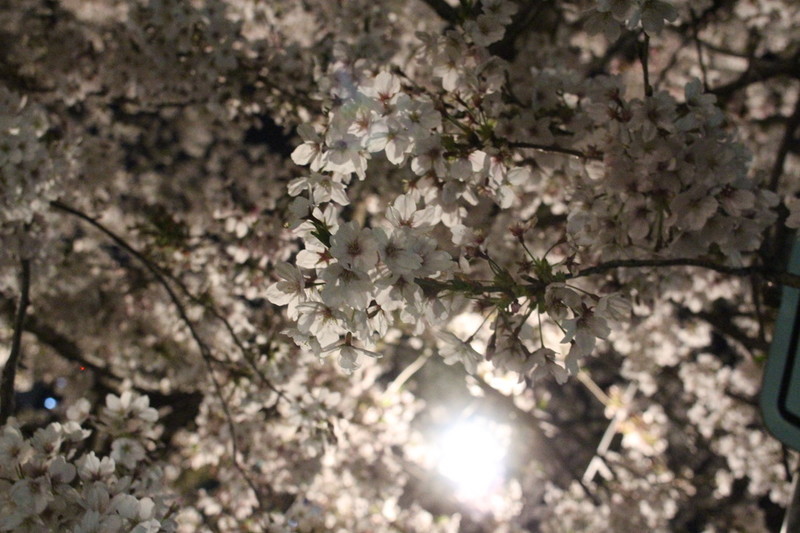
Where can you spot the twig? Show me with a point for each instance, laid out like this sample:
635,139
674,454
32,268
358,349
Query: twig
522,22
723,323
699,48
149,265
205,352
644,54
236,340
10,368
775,276
625,42
407,373
673,60
555,149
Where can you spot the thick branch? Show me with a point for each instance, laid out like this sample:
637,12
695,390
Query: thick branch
776,276
66,348
530,18
10,369
443,9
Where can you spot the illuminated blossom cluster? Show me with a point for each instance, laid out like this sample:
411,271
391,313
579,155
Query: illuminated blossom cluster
669,182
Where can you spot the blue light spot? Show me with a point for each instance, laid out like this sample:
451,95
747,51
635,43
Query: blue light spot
50,402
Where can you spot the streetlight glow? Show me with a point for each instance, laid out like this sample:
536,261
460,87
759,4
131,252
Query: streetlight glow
472,454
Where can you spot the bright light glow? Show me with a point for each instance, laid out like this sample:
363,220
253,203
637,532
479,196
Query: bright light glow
472,454
50,403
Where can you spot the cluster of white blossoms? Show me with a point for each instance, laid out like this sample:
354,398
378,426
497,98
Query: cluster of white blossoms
659,178
610,17
674,181
367,279
31,165
49,482
351,283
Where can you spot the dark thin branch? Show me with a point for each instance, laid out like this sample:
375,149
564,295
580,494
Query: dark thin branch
747,400
59,342
673,60
775,276
720,50
234,336
699,48
149,265
183,406
625,45
10,369
644,58
205,351
555,149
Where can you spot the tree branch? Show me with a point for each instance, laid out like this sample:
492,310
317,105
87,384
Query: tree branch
443,9
529,18
783,150
644,56
10,368
205,351
66,348
246,353
555,149
724,325
775,276
759,69
699,48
